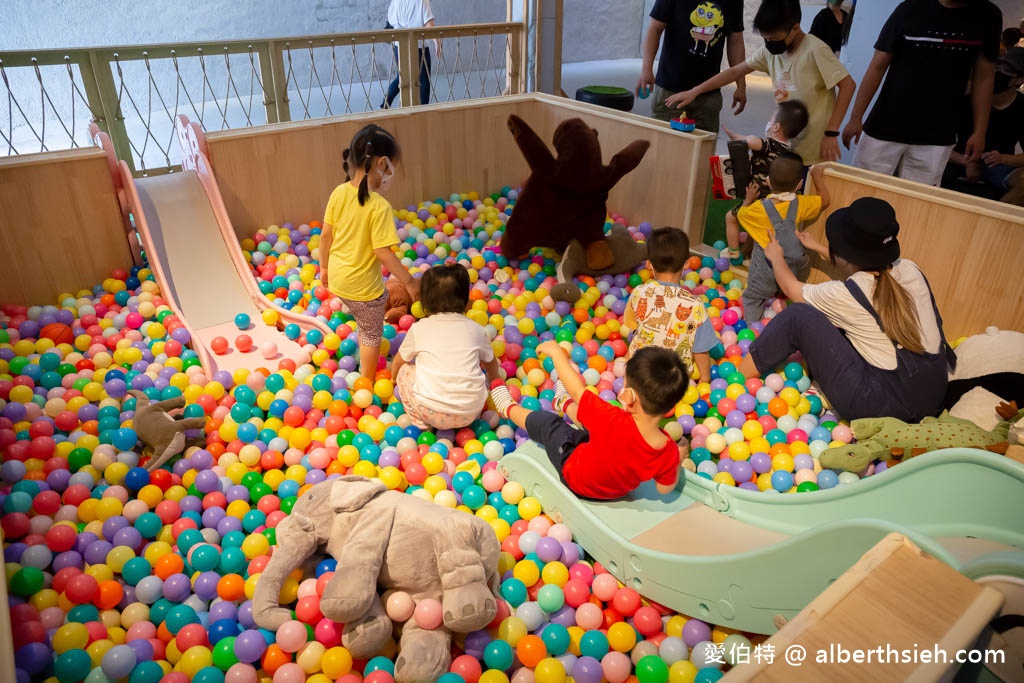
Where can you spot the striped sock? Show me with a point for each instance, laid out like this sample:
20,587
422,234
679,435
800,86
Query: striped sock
562,398
503,401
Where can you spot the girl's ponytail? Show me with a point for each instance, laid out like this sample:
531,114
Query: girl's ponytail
345,154
364,184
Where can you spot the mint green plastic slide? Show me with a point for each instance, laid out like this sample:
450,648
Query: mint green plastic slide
745,559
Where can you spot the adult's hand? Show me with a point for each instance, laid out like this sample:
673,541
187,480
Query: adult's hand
811,243
681,99
829,149
852,132
645,83
975,146
773,250
739,100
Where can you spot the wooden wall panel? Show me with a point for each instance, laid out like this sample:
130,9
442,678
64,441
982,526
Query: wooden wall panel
970,249
286,172
60,225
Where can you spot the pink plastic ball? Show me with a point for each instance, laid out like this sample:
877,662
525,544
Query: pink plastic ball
616,667
241,673
492,481
291,636
428,614
289,673
268,349
605,586
842,433
589,616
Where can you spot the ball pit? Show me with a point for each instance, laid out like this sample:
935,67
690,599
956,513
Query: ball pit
115,572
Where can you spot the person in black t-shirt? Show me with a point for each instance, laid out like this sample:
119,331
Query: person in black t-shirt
930,53
830,23
1000,167
696,32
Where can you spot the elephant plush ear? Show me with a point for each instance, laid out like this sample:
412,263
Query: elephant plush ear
351,493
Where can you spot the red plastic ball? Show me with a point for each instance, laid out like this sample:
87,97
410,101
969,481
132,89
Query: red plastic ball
219,345
243,343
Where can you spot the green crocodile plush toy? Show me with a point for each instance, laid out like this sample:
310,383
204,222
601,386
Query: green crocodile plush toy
886,438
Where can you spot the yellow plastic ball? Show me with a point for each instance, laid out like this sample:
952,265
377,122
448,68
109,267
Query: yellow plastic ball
529,508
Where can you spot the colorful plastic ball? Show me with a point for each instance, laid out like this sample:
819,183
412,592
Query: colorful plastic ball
119,661
243,321
291,635
499,655
428,614
400,606
652,669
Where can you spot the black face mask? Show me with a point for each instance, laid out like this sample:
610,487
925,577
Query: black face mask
776,47
1002,82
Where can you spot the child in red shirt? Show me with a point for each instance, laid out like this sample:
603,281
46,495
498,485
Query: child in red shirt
619,448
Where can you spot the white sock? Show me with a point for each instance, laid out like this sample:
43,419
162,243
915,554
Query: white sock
502,398
562,398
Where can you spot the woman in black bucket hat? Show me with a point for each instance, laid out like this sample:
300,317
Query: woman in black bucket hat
873,341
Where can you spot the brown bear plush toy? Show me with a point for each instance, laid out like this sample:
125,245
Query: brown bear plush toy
564,197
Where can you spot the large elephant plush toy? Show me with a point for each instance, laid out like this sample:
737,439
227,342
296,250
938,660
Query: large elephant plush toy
390,540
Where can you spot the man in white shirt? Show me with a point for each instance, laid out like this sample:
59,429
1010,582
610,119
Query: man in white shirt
412,14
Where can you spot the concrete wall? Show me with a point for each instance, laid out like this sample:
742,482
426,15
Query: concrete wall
613,29
86,23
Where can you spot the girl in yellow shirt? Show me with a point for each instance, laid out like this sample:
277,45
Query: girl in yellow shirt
358,233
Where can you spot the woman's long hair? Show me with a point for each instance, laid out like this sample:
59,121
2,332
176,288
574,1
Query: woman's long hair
897,310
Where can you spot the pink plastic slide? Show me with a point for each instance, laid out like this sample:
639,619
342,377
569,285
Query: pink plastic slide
197,261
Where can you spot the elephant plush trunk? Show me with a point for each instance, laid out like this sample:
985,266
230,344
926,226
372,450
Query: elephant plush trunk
301,542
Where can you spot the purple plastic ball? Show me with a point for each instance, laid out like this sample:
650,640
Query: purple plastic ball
695,631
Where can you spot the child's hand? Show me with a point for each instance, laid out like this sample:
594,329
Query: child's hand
753,192
414,289
550,348
680,100
323,279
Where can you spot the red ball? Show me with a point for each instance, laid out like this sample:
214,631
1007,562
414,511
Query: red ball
58,333
60,538
626,601
190,636
467,667
81,589
647,621
46,502
219,345
243,343
15,524
307,610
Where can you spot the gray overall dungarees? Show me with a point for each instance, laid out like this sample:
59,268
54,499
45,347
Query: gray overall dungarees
761,284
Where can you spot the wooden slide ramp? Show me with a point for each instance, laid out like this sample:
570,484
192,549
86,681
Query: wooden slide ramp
896,597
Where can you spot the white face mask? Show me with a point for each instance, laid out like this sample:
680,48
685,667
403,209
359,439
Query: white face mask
387,175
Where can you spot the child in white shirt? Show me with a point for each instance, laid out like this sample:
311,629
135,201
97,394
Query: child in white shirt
438,366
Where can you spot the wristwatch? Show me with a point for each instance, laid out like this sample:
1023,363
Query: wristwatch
831,133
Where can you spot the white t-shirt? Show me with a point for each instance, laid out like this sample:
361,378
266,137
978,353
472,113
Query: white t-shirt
409,13
448,349
835,301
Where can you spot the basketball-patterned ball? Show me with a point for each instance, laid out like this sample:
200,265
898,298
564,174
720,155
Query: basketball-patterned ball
58,333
